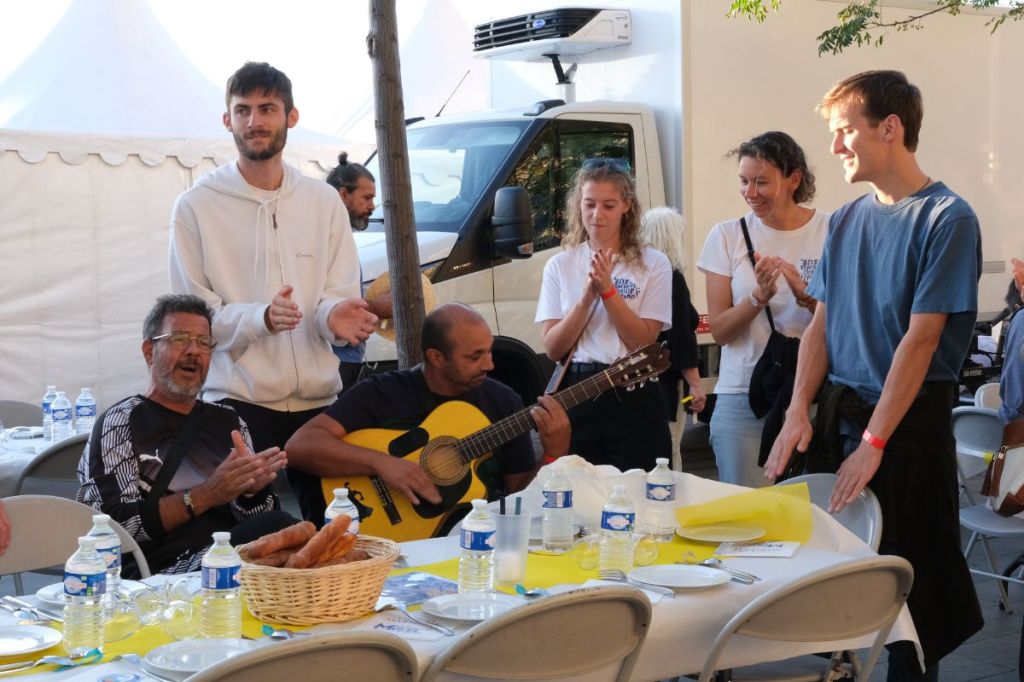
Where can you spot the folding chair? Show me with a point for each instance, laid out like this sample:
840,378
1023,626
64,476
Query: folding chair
863,596
574,633
17,413
45,532
862,517
978,432
355,656
54,471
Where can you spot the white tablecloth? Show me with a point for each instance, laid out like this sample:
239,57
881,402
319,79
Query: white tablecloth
682,629
14,457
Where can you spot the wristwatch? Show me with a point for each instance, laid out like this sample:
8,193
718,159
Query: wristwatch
187,499
754,301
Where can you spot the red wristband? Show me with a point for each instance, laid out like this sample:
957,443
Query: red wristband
608,294
873,441
547,459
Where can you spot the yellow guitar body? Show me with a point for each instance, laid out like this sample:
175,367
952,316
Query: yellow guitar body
388,513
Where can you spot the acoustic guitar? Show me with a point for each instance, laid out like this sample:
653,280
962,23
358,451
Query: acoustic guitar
449,446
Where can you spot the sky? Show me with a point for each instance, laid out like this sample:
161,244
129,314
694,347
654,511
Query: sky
320,44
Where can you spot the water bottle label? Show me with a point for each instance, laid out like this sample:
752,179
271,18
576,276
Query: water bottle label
85,411
111,556
61,415
85,584
611,520
661,492
353,527
46,406
477,540
221,577
557,499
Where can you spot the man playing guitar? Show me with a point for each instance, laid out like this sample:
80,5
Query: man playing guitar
456,344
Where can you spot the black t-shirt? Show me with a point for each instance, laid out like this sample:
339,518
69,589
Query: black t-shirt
400,400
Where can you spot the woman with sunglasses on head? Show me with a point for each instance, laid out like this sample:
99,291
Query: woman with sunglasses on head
607,295
787,240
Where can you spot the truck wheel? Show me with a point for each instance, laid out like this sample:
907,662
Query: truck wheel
517,366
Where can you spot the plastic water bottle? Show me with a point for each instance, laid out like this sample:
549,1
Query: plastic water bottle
221,612
85,583
51,395
476,566
108,544
342,505
556,530
60,413
661,501
85,412
617,520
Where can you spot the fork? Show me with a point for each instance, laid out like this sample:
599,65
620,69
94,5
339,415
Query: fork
395,606
618,576
63,661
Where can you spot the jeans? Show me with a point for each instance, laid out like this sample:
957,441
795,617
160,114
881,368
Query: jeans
736,440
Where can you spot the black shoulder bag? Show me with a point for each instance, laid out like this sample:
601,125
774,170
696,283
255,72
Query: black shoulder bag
771,384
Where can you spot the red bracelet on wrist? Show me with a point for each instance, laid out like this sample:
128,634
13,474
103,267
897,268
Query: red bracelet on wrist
547,459
873,441
608,294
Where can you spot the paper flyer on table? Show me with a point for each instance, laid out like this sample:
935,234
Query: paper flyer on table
758,549
415,588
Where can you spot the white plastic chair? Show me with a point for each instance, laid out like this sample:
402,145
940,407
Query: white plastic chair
863,596
563,635
16,413
979,432
862,517
354,656
45,532
987,395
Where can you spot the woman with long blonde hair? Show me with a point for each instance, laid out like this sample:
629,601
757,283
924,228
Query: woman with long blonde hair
606,295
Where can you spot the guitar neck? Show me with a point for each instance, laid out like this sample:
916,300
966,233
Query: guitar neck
500,432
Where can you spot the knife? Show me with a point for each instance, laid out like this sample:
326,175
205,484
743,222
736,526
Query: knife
48,615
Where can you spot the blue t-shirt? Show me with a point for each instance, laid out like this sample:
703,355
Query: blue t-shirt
881,264
353,354
1011,382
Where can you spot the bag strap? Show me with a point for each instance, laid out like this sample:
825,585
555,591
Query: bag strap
562,366
170,466
753,264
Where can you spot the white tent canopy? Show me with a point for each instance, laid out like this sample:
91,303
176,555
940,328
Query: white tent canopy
101,128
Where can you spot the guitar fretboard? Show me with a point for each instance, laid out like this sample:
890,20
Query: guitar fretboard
502,431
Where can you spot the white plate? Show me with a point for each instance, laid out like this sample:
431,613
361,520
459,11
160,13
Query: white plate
722,532
471,607
680,576
24,639
192,655
54,594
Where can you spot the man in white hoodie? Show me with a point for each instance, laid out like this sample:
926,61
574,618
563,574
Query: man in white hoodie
271,251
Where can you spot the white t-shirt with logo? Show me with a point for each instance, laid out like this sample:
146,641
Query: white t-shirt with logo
646,289
725,253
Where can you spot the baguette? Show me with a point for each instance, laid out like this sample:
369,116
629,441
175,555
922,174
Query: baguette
340,548
321,544
354,555
293,536
277,559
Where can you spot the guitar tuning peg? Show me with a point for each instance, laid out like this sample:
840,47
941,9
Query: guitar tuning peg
654,379
630,389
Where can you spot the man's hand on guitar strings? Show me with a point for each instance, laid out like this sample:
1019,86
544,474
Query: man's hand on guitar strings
409,479
553,426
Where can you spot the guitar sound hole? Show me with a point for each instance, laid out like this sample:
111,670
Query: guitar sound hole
442,462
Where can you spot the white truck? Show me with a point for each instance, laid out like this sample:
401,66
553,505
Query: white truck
700,85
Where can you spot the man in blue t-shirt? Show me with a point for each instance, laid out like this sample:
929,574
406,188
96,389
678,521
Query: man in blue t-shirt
456,344
897,291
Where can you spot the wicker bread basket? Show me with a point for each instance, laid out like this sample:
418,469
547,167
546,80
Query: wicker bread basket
330,594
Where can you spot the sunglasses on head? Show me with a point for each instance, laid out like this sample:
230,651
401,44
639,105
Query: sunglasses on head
620,165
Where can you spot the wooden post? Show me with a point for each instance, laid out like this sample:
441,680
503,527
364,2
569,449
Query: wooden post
393,155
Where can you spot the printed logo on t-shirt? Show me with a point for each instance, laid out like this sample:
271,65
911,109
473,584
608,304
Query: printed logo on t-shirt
627,288
807,266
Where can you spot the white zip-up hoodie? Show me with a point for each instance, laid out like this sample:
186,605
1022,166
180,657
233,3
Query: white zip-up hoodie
235,246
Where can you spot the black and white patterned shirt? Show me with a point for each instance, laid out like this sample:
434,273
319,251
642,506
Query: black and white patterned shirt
126,451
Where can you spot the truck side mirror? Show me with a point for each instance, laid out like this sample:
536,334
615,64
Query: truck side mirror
512,223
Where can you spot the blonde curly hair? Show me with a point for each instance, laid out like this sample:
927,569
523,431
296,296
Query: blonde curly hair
612,171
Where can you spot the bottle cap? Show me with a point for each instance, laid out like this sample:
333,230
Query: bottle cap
100,518
661,461
51,389
222,537
479,504
340,492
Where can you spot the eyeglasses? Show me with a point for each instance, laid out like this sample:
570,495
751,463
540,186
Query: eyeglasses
620,165
182,340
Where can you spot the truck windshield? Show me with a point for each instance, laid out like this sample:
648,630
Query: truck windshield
451,167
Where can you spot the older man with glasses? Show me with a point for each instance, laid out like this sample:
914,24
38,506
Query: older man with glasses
173,469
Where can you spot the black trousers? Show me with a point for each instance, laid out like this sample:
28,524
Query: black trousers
272,428
627,429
